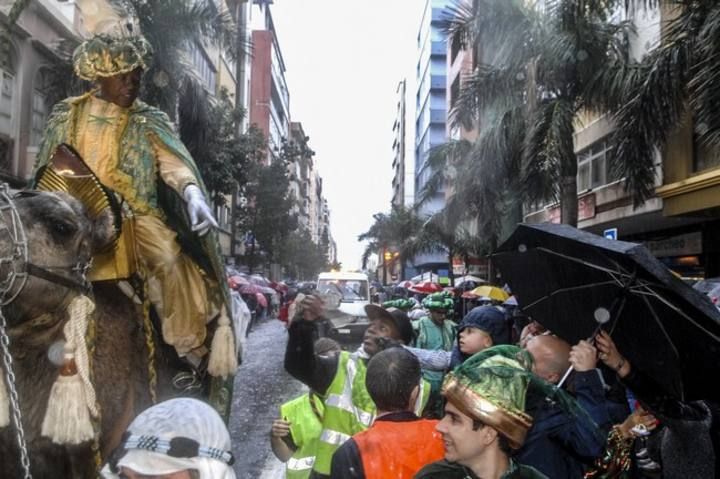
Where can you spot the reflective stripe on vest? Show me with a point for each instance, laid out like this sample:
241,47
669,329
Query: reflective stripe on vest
302,464
333,437
348,409
305,429
344,400
423,397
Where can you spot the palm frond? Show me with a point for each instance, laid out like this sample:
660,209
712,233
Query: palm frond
441,157
704,86
171,26
655,102
459,23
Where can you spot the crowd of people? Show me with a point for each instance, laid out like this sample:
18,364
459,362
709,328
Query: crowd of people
488,395
493,395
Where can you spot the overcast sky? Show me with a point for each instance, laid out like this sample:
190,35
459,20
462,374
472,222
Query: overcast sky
344,60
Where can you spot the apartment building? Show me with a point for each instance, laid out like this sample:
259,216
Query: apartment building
403,182
680,224
430,115
269,107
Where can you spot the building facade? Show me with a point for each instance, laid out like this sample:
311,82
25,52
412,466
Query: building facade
430,116
29,70
679,224
269,107
403,182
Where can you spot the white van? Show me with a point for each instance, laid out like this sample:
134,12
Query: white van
353,287
349,321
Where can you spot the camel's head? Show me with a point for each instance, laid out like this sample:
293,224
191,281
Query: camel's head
60,236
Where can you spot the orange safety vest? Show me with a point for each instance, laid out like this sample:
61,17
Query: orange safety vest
399,449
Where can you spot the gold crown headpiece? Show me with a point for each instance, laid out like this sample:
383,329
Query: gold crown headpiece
105,56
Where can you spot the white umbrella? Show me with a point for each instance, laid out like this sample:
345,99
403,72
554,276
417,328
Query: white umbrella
432,277
469,277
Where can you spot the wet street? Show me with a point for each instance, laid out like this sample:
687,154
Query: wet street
261,386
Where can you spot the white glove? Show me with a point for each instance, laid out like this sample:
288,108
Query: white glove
201,216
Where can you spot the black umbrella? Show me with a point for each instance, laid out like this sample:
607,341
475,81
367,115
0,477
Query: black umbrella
566,278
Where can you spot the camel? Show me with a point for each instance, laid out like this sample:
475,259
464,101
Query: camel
60,234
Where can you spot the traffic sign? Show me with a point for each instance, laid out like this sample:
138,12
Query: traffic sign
610,234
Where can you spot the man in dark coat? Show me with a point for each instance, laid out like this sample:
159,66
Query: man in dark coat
562,444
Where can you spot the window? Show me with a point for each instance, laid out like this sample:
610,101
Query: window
203,67
38,118
5,153
594,166
454,91
705,156
455,48
7,81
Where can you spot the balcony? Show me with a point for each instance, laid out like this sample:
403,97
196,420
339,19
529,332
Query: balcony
438,116
438,82
438,48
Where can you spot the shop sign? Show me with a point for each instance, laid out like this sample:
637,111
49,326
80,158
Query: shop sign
586,209
681,245
476,266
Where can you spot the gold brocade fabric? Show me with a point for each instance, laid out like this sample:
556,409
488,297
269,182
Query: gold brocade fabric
182,292
97,143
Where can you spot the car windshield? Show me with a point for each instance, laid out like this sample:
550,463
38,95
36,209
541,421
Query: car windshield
351,290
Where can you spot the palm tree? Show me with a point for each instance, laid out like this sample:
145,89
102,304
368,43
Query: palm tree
675,81
393,231
172,27
536,71
440,233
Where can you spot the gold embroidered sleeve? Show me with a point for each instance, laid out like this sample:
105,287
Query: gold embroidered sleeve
172,170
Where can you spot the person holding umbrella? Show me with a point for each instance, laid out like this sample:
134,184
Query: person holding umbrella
561,444
687,448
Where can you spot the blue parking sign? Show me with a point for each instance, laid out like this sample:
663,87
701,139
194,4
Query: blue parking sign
610,234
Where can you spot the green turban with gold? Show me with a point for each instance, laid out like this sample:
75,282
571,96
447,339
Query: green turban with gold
401,304
106,56
491,387
439,301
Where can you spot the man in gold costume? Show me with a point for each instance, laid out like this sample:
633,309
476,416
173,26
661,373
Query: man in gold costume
133,150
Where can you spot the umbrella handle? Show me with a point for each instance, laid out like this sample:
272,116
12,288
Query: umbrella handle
590,340
565,376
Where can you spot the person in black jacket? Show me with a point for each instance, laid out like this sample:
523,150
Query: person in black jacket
687,448
562,445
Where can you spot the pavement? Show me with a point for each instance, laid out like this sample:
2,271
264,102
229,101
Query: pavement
261,386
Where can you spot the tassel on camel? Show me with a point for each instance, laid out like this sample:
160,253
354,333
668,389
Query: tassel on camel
223,357
72,398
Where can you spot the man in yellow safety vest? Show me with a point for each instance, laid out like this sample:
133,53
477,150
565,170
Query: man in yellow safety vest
340,380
